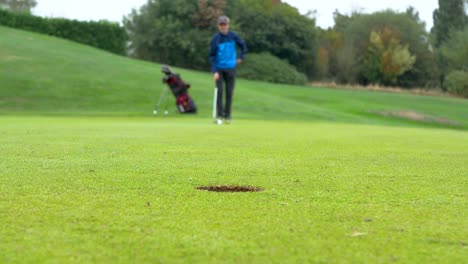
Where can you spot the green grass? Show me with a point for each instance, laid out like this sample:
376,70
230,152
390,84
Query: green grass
123,190
86,175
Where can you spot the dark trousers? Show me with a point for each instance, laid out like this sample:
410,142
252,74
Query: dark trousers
227,79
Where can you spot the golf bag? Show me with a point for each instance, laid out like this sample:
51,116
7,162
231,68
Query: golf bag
179,89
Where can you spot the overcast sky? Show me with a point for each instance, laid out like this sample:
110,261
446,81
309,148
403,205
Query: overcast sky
114,10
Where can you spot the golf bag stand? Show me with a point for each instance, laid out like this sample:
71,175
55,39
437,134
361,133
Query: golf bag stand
162,99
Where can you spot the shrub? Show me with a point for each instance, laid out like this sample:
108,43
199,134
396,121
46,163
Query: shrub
457,83
266,67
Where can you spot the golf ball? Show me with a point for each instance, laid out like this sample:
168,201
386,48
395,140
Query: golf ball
155,112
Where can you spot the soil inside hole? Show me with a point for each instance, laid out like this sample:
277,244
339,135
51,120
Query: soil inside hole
230,188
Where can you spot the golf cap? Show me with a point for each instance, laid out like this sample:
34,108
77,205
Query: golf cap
223,20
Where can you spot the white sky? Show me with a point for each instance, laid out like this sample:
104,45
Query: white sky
114,10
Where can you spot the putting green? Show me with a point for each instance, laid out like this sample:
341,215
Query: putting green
75,189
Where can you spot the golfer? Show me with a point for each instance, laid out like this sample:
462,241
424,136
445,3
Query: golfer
224,59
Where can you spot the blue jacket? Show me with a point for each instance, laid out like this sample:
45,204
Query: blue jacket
223,52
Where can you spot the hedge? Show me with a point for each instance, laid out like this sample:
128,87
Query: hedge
102,34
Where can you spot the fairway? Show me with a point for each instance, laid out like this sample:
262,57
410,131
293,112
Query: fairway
121,190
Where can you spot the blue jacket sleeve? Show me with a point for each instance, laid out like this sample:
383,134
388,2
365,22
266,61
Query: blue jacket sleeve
241,43
213,54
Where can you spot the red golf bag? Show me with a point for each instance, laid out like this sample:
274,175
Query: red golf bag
179,89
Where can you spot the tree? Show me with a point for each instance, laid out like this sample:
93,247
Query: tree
449,17
281,30
164,31
455,51
262,5
466,12
387,58
322,65
342,21
208,12
411,33
331,42
23,6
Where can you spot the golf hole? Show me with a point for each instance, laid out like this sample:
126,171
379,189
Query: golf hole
229,188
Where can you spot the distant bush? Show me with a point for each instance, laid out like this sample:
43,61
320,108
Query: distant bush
457,83
266,67
103,34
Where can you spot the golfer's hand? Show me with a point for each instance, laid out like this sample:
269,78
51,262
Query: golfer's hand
239,61
216,76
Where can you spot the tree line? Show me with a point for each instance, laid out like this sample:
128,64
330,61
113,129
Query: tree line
388,48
